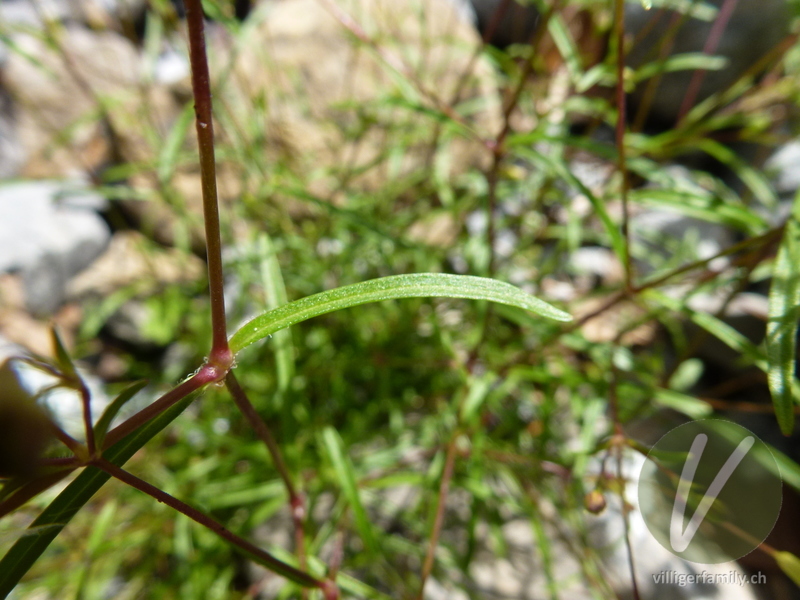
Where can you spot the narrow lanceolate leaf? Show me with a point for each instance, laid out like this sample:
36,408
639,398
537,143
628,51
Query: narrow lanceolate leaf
275,292
789,564
781,339
101,428
62,356
168,157
691,407
421,285
54,518
347,479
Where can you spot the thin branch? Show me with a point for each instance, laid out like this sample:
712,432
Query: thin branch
770,237
261,556
296,503
86,400
627,525
204,376
441,502
398,65
619,27
713,40
264,433
32,489
70,442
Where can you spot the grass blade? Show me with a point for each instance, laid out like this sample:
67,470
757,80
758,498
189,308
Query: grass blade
781,338
63,360
170,151
789,564
101,427
19,559
716,327
420,285
275,292
683,403
347,479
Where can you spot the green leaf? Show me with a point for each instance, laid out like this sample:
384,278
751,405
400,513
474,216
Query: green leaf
101,428
753,178
562,37
688,61
63,361
19,490
168,157
347,583
691,407
719,329
787,468
789,564
478,391
781,338
19,559
14,534
347,479
275,292
703,206
611,228
421,285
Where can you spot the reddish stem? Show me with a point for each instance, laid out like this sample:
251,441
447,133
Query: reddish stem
619,26
441,502
205,375
201,87
263,432
262,556
714,38
87,418
70,442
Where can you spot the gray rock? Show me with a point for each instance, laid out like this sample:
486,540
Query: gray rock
783,165
55,89
48,234
12,154
32,13
311,112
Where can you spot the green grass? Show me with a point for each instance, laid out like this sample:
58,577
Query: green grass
486,409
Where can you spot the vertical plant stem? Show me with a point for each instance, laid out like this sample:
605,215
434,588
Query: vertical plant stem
441,502
201,87
619,27
627,525
261,556
86,400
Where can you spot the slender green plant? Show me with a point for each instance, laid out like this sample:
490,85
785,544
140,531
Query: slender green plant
512,405
106,459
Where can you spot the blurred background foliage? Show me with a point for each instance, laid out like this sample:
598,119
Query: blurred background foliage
524,402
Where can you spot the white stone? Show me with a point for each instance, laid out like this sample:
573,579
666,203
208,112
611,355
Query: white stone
49,236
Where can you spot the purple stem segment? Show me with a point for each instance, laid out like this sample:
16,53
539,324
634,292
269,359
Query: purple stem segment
261,556
201,86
